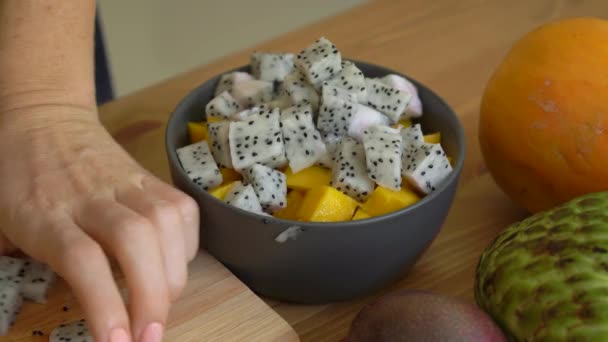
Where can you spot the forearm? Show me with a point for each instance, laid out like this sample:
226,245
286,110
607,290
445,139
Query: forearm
46,55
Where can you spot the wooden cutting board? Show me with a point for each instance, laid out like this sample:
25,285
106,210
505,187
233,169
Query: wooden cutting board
215,306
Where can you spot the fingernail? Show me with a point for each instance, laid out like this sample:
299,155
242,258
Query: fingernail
119,335
152,333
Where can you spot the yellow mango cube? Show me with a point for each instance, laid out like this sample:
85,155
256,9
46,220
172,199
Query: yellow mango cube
197,131
210,119
405,123
434,138
221,191
326,204
383,201
229,175
294,201
360,215
312,177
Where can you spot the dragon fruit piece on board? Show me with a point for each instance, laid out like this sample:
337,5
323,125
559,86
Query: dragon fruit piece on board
349,78
383,151
412,133
271,67
74,331
228,80
319,62
197,161
414,108
303,144
256,141
331,145
349,174
386,99
37,279
252,92
363,118
222,106
269,185
243,196
218,143
336,111
299,91
10,266
425,165
10,304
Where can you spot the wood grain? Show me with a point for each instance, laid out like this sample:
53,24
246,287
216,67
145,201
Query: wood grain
451,46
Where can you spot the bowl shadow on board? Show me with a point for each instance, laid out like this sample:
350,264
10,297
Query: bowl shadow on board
319,262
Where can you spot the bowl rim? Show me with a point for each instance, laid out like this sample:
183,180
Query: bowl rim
427,199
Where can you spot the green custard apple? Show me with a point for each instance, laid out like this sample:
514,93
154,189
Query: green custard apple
546,278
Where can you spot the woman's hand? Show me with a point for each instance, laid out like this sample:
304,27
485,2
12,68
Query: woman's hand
71,197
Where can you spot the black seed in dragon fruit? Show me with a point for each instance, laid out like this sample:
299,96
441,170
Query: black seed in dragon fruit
199,165
243,196
349,173
253,92
363,118
37,279
271,67
77,331
386,99
336,112
227,81
218,143
383,150
222,106
303,143
425,166
256,141
414,107
349,78
269,185
299,91
10,304
412,133
319,62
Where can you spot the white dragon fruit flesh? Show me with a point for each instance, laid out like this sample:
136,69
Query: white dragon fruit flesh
218,142
303,144
269,185
412,133
256,141
349,78
228,80
386,99
37,279
414,108
10,304
10,267
383,150
363,118
349,173
253,92
319,62
197,161
222,106
271,67
336,111
77,331
243,196
298,91
331,144
425,165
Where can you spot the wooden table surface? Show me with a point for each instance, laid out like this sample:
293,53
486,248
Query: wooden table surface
451,46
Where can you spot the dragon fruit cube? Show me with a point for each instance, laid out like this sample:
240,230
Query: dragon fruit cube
319,62
425,166
349,173
388,100
303,144
228,80
222,106
271,67
243,197
383,150
197,161
269,185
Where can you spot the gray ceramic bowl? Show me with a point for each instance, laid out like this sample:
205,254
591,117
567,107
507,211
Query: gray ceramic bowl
319,262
